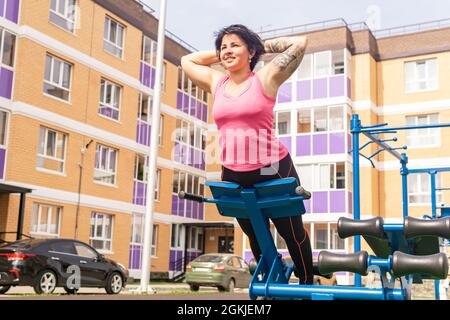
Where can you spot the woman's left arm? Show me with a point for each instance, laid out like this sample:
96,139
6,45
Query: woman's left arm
291,51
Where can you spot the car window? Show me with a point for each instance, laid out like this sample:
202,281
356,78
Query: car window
85,251
63,247
235,262
243,263
209,258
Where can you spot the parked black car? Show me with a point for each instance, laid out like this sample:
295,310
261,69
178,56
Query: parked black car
46,264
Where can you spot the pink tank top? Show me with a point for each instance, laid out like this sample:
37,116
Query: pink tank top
246,137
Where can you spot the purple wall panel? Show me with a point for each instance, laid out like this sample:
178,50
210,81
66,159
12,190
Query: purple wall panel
172,257
286,141
337,86
198,110
307,204
320,88
205,113
145,74
285,93
349,142
320,144
176,152
6,82
153,75
2,6
337,142
349,88
320,202
179,100
350,202
174,204
248,255
303,90
185,103
192,106
12,10
337,201
303,147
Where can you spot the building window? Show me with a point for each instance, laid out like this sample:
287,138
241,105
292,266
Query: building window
177,236
324,119
419,188
140,168
110,95
336,242
105,164
422,138
190,134
113,38
45,221
305,69
57,78
421,75
51,150
320,119
321,236
322,176
149,50
145,114
63,13
137,232
283,123
3,127
101,231
183,181
304,121
157,183
7,48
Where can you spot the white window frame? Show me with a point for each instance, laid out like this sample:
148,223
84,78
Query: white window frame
103,237
52,157
37,222
432,83
145,166
58,84
120,47
179,236
153,46
68,16
289,126
114,88
98,172
315,175
3,31
418,179
4,141
327,55
157,185
427,132
329,245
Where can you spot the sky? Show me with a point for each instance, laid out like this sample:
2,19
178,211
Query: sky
196,21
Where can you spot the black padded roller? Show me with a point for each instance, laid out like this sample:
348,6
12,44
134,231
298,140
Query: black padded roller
349,227
333,262
188,196
435,265
414,227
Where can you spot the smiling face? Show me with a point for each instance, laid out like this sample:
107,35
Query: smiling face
234,53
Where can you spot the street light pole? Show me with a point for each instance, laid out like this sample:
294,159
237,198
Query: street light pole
148,229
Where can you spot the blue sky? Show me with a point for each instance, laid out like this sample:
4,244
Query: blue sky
195,21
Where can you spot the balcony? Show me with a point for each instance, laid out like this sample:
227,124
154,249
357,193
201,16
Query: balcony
192,106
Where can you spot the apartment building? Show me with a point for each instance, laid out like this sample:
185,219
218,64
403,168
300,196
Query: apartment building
397,76
76,87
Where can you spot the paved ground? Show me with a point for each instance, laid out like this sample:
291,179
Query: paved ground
161,291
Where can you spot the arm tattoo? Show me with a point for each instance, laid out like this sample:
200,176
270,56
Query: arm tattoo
290,54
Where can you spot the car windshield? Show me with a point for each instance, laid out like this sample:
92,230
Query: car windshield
209,258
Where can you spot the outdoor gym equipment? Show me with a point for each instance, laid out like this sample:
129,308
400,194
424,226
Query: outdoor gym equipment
407,251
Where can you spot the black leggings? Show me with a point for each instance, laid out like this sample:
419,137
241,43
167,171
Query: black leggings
290,228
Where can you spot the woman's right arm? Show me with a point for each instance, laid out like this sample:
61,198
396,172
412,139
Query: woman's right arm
197,67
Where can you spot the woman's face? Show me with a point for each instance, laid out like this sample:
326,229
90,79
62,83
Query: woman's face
234,54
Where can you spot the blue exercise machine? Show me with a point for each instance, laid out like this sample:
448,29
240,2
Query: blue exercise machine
409,251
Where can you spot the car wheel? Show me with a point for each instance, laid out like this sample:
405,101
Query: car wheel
194,287
70,291
114,283
230,287
4,289
46,282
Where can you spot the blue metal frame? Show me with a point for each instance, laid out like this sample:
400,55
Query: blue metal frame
372,132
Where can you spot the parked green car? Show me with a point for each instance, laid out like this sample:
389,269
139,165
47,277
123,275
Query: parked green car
224,271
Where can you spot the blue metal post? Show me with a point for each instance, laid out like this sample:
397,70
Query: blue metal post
355,127
404,174
434,215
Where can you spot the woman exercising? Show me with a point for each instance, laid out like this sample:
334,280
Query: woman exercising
243,112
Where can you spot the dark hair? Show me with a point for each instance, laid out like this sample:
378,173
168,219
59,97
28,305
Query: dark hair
251,39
